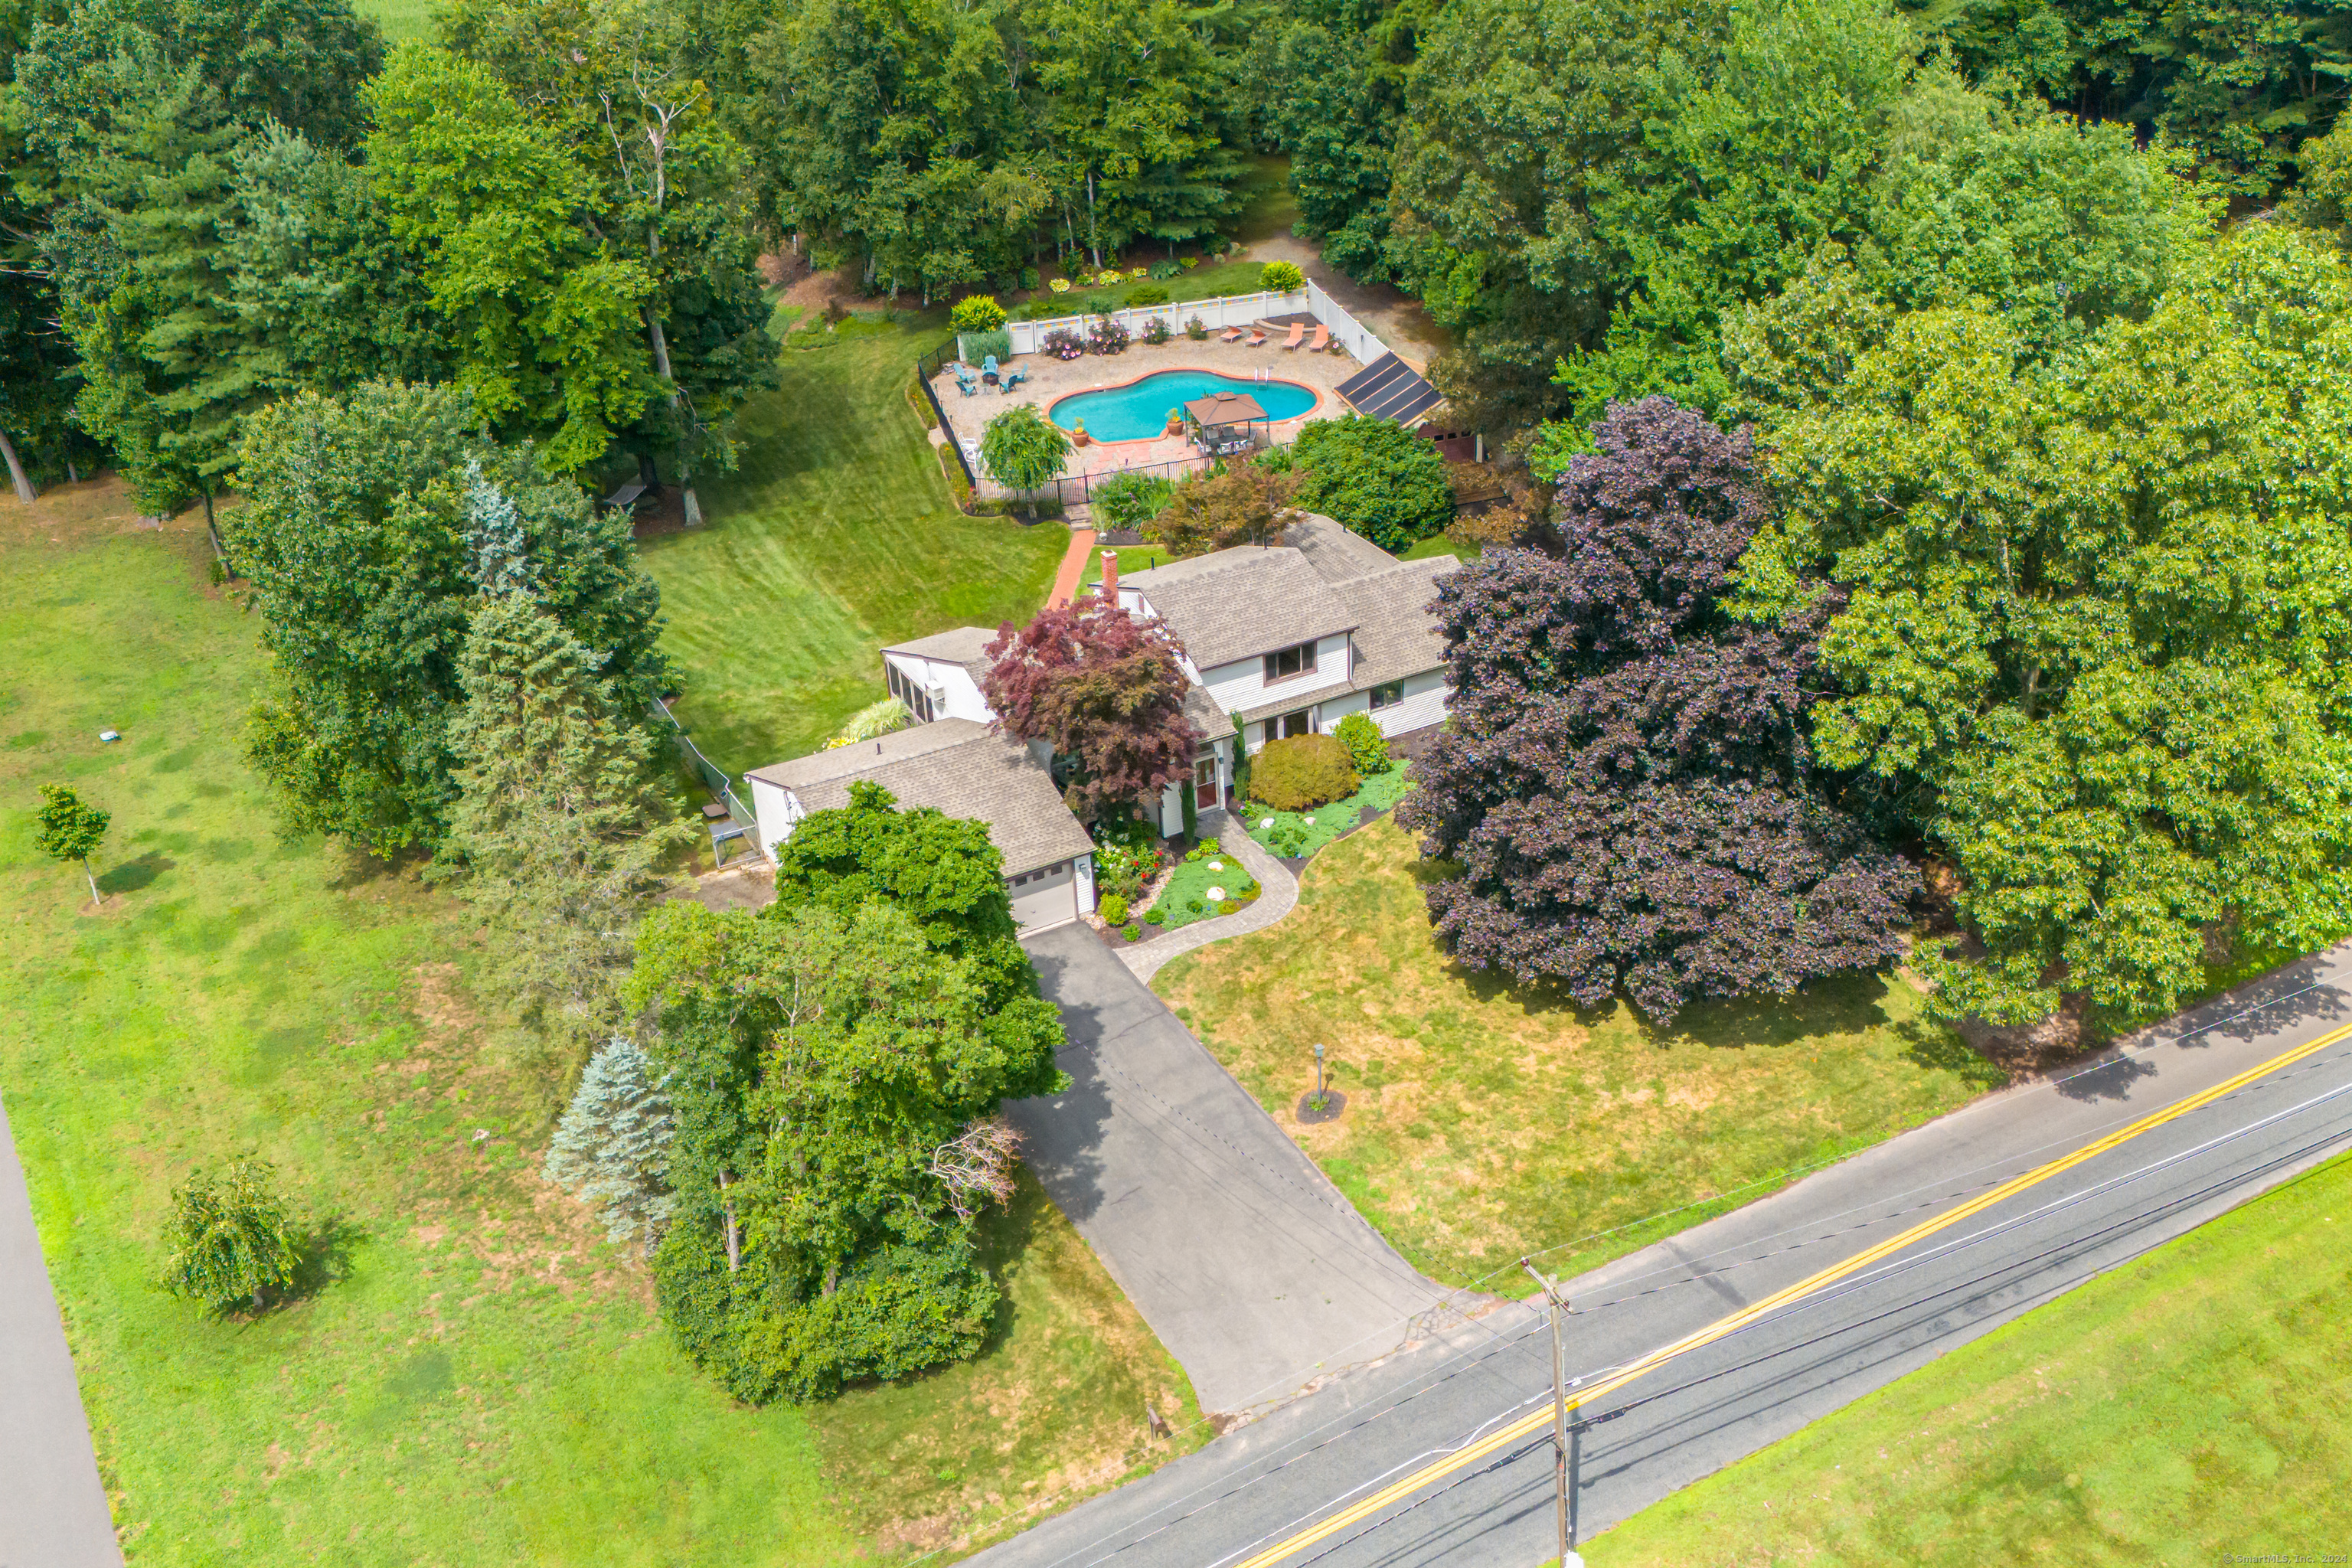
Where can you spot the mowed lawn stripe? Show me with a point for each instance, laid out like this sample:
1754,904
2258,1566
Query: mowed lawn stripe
835,535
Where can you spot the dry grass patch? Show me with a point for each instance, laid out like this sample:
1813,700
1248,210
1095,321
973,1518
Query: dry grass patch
1485,1123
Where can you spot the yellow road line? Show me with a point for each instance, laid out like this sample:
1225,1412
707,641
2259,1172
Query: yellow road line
1494,1442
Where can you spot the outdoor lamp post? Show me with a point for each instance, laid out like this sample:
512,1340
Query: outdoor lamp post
1319,1072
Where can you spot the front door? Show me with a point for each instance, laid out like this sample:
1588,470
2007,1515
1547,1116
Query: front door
1205,794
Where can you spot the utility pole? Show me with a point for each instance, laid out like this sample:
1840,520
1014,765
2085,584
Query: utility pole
1568,1557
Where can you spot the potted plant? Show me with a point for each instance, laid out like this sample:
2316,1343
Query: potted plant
1175,423
1079,434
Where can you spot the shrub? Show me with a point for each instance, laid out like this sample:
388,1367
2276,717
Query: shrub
1059,285
1374,478
1156,332
1367,747
1282,276
1130,500
1155,916
232,1237
1064,344
1196,329
1167,269
1303,771
1029,277
1147,294
1097,304
1132,931
1108,336
978,346
1108,275
1113,911
1127,857
976,313
1195,905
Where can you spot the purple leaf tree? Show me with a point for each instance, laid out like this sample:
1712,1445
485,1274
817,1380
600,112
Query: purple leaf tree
1624,784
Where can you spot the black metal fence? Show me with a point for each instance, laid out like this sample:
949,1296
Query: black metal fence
926,368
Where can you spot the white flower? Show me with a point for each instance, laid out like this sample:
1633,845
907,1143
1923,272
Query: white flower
1216,895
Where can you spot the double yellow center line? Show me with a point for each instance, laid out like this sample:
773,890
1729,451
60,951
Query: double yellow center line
1536,1421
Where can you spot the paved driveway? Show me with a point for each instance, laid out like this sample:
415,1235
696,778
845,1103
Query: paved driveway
1255,1273
53,1510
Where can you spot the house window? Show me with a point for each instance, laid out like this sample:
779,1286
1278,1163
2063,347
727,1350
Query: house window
1290,661
1301,722
1388,696
904,688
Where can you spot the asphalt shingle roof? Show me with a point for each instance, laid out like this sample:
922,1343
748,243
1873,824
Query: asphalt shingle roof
958,765
1334,552
1234,603
957,645
1396,635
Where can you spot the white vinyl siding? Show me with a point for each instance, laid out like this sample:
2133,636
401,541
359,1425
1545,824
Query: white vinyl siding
779,811
1423,705
934,687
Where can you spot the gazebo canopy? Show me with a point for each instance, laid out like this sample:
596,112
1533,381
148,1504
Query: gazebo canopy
1225,408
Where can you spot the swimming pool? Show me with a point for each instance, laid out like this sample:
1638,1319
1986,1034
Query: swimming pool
1140,410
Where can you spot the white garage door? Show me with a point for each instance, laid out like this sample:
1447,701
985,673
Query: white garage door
1046,897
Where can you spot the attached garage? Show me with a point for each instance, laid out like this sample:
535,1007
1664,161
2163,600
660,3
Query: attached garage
1048,896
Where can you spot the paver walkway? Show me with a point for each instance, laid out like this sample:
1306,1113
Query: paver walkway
53,1507
1073,570
1281,896
1251,1267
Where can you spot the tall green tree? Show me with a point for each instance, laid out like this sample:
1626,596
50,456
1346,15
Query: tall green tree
2093,628
826,1075
620,85
557,830
490,204
357,536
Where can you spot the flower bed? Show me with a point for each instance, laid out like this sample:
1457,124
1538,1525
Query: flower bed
1188,894
1295,835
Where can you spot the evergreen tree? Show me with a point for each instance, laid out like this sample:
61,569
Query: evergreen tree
355,537
494,535
556,827
614,1142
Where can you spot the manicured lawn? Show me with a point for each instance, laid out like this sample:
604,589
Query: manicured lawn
487,1384
1298,833
2187,1409
834,537
1198,880
1483,1123
400,20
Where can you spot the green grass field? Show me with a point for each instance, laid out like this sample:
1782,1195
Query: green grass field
2188,1408
835,536
487,1382
402,20
1483,1123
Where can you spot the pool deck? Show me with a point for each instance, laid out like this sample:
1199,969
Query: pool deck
1051,379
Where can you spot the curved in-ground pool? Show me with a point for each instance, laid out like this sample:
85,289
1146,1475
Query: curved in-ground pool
1140,410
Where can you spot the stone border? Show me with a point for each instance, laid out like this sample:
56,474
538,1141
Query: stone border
1280,897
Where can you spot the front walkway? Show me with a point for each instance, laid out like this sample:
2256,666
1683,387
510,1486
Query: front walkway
1281,896
1251,1267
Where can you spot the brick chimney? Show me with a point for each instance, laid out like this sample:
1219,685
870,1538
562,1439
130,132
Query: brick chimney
1109,588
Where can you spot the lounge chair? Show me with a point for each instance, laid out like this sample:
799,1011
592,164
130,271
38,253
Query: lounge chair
1013,378
1298,333
1322,339
965,385
1254,341
1232,334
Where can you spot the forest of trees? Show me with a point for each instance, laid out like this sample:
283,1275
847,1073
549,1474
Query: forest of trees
557,206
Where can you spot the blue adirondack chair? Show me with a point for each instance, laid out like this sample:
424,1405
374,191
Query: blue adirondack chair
965,384
988,376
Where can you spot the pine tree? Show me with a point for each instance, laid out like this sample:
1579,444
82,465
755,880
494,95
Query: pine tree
558,829
613,1144
494,536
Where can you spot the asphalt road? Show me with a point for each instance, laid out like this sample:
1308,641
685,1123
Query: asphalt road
52,1509
1257,1488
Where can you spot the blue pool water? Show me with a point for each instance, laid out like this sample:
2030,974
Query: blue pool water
1132,413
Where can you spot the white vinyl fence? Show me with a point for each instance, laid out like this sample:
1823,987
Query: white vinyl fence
1233,310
